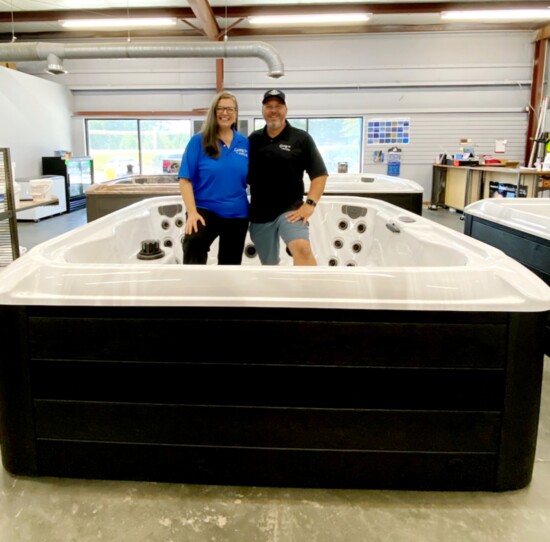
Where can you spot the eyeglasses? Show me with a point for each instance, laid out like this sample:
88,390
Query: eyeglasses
228,109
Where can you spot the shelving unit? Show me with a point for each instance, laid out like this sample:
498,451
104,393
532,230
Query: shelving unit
9,241
458,186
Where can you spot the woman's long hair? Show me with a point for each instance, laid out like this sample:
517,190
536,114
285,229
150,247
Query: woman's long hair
210,140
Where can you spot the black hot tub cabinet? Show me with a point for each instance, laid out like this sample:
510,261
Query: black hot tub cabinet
250,376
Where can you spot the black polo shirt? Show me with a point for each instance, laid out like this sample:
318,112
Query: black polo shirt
276,171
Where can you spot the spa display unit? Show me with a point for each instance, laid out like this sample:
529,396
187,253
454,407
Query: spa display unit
520,228
402,192
396,368
102,199
105,198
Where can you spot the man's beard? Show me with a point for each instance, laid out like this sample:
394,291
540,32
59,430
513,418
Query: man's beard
274,124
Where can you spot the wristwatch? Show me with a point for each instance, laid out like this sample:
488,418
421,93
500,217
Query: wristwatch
311,202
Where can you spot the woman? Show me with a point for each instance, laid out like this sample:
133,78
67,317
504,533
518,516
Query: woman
212,180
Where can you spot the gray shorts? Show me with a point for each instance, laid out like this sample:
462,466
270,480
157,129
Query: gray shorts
265,237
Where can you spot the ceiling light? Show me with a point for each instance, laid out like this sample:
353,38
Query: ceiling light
497,15
118,23
323,18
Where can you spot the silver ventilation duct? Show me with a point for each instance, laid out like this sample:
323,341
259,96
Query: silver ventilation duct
55,65
47,51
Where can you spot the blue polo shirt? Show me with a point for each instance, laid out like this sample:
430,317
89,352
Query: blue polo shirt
219,184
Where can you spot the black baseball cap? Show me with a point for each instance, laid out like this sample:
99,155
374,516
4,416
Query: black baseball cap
274,93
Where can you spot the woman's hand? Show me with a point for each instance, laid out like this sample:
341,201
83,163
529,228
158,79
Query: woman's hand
192,224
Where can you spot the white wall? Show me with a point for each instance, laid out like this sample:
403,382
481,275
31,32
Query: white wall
451,85
34,119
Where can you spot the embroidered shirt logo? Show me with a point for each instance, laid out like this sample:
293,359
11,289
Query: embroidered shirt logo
241,152
285,147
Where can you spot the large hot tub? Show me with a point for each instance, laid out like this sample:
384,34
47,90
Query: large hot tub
397,190
411,358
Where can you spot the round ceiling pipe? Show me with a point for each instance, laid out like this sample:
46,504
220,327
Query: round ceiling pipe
31,51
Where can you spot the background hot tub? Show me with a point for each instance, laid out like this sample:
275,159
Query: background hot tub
102,199
519,227
402,192
105,198
404,374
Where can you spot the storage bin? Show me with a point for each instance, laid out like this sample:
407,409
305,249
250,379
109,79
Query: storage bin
40,189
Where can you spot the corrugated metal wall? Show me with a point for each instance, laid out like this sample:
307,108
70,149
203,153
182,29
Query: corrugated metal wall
438,133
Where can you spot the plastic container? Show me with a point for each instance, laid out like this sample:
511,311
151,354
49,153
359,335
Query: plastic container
40,189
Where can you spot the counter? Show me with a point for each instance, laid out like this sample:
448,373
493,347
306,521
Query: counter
458,186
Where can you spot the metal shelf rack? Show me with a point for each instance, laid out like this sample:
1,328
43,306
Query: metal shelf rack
9,240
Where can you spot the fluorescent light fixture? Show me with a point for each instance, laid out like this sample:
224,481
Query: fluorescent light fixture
118,23
497,15
320,18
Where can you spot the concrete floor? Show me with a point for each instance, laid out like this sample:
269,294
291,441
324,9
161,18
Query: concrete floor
60,510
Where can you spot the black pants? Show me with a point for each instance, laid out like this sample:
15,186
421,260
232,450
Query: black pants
232,234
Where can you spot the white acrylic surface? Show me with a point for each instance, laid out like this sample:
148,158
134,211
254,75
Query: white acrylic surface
422,266
529,215
365,183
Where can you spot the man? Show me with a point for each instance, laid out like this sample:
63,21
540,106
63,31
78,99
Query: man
279,155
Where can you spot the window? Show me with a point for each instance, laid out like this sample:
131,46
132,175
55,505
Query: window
122,147
338,139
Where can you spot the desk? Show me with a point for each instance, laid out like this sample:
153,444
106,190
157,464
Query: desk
31,204
36,212
458,186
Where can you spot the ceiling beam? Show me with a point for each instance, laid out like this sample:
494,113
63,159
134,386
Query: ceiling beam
203,12
65,36
386,8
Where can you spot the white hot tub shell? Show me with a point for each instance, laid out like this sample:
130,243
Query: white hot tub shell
410,358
